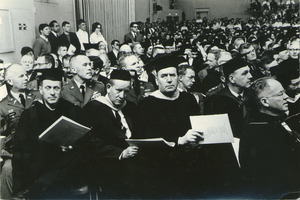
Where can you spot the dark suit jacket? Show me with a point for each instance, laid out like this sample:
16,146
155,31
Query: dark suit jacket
128,38
53,42
72,93
112,58
62,39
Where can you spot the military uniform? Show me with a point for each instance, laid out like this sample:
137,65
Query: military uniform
10,112
72,93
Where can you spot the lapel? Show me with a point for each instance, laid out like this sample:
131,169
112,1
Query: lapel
88,93
75,92
14,102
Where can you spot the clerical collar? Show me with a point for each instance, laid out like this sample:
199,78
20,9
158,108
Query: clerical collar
44,37
159,95
236,94
17,95
78,84
105,100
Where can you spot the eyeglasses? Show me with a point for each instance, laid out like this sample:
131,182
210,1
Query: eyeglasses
135,26
279,94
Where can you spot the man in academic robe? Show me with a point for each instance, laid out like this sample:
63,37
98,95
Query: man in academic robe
41,169
82,88
269,150
109,117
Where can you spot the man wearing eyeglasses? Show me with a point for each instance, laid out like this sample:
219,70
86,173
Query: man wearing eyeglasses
267,154
113,54
82,88
133,35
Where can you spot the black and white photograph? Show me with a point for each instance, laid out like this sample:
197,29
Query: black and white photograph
149,99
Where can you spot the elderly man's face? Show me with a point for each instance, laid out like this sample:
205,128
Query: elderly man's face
294,49
133,65
117,91
83,67
275,98
167,81
242,77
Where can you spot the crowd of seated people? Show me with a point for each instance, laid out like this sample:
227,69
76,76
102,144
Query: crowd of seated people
148,86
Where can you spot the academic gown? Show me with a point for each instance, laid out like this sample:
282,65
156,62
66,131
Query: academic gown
180,172
39,164
105,144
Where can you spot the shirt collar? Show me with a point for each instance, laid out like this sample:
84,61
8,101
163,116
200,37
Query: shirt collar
54,33
44,37
235,94
17,95
78,84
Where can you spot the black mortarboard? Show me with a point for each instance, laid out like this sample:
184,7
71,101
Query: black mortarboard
53,74
232,65
286,77
97,62
120,75
279,49
26,50
88,46
165,61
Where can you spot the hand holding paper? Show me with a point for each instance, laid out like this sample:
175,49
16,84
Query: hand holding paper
191,137
129,152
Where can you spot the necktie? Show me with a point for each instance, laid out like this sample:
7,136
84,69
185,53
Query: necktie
82,90
118,117
240,97
22,98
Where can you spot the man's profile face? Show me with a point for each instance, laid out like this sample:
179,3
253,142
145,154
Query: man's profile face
139,49
51,91
134,28
188,79
117,91
275,97
283,55
46,31
83,67
67,28
19,79
242,77
56,27
82,26
167,80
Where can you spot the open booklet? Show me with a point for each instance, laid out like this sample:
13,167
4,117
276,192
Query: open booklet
64,132
152,142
